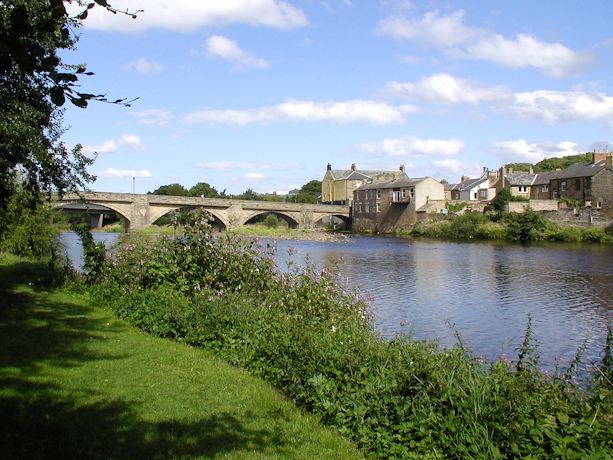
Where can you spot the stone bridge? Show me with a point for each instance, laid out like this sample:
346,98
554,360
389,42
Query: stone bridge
140,211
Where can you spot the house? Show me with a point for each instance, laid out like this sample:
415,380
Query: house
480,189
393,205
338,185
540,185
519,183
448,190
590,184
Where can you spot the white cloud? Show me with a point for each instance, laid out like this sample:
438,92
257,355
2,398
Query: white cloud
218,46
452,169
439,31
445,89
105,147
521,151
111,146
553,59
155,117
112,172
144,66
132,140
254,176
189,15
406,146
355,111
238,165
449,33
557,106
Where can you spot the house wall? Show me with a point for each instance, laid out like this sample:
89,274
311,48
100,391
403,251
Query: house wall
327,188
574,188
536,205
428,189
540,192
602,191
515,191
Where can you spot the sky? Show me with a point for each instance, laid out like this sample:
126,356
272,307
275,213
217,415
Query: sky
263,94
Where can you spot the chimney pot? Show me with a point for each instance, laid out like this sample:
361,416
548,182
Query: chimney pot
353,166
402,168
329,167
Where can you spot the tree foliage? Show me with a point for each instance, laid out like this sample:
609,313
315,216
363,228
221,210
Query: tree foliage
171,190
34,85
309,193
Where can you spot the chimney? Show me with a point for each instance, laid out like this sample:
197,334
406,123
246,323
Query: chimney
609,161
329,167
598,156
353,166
531,170
402,168
463,178
510,170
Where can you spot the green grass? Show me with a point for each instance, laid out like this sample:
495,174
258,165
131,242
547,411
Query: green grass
78,383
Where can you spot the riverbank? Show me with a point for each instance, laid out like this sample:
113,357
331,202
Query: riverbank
313,340
77,382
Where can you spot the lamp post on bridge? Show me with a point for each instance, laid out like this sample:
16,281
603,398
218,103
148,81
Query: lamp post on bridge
133,185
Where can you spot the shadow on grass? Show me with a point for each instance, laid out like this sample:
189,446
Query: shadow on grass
37,423
39,419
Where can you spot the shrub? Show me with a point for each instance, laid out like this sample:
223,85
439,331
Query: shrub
271,221
526,226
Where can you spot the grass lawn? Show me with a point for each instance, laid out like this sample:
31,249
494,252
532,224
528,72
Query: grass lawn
75,382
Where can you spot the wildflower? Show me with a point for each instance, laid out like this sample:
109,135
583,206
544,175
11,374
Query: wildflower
333,328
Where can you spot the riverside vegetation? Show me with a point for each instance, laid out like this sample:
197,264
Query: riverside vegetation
305,334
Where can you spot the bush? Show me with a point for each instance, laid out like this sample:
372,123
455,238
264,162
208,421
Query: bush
271,221
526,226
313,340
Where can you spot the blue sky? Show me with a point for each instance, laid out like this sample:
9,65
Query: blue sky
263,94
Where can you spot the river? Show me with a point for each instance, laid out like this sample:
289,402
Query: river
486,291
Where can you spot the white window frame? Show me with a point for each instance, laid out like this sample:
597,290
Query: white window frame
563,186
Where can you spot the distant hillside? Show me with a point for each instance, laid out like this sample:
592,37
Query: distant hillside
551,164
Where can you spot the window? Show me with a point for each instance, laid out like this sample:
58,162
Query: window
599,204
412,192
577,184
378,194
367,208
475,195
404,194
523,189
545,188
563,186
378,207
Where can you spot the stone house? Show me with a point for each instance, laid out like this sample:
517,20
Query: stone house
589,184
338,185
519,183
393,205
540,185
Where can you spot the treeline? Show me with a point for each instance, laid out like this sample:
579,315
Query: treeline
308,193
552,164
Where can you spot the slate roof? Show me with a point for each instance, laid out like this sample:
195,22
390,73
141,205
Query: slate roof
450,187
470,183
544,177
397,183
520,178
581,170
350,174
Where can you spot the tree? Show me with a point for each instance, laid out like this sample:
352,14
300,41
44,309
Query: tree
309,193
248,194
34,85
205,190
171,189
501,200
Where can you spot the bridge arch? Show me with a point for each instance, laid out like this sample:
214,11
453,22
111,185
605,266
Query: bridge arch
346,220
117,209
291,220
218,219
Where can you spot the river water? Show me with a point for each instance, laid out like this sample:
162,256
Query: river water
485,291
